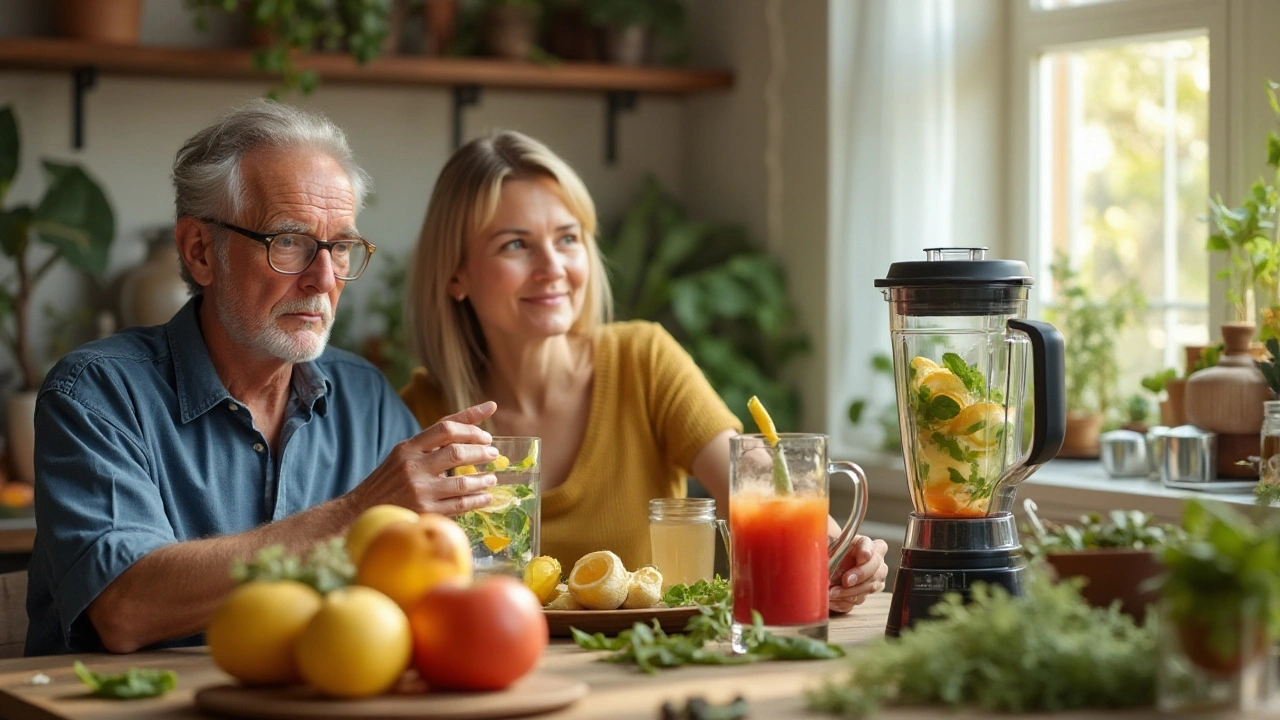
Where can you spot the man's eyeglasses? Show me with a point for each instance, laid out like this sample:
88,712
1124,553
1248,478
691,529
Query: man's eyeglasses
293,253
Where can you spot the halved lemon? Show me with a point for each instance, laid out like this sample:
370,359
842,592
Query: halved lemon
563,600
542,576
645,588
599,581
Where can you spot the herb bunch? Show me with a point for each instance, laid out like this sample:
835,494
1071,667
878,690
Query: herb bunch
506,518
325,567
700,593
1048,650
1121,529
131,684
651,649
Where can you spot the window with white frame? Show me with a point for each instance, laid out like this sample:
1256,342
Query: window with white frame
1112,160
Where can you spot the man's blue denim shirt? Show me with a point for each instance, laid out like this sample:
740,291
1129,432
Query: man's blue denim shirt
139,445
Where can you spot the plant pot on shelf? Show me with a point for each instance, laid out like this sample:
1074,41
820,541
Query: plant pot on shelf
510,31
1081,437
1113,574
440,24
20,411
107,21
1173,410
1227,399
625,45
569,36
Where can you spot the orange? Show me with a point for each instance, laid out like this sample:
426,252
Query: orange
406,560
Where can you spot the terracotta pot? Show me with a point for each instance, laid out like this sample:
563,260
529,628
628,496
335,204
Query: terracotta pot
1113,574
153,291
397,14
1081,440
107,21
20,410
627,45
569,36
1193,637
509,32
1192,354
1227,398
1173,411
440,24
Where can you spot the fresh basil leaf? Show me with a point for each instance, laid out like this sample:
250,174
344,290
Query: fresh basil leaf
132,684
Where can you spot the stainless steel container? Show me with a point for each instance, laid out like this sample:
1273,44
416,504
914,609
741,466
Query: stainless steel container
1190,456
1124,453
1155,449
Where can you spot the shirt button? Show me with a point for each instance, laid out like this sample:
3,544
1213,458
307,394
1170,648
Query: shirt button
259,447
233,407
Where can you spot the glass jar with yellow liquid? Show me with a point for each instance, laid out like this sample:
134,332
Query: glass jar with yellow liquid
682,533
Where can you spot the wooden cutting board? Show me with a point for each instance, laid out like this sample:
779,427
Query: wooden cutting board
532,695
612,622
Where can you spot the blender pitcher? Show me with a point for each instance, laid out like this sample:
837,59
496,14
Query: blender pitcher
964,359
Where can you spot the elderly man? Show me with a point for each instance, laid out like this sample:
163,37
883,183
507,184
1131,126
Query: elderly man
164,454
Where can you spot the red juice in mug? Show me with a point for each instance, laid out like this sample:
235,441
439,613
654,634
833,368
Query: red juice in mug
779,558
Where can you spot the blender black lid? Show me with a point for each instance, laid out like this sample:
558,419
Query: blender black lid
956,267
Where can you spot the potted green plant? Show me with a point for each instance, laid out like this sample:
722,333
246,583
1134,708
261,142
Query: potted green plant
1089,328
1158,384
72,221
297,27
721,297
628,28
1220,594
1117,556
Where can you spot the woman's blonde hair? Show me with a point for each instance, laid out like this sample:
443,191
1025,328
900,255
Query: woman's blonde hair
444,333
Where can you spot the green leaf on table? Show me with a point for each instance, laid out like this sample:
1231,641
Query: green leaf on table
132,684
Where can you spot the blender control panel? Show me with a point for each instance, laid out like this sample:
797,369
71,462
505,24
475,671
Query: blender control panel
939,581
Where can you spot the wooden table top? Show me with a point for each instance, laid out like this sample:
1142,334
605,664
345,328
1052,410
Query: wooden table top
773,689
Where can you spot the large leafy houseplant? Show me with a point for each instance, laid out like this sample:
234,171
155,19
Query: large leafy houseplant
722,298
300,26
71,221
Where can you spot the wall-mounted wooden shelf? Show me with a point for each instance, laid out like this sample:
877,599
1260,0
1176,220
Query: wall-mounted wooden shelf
465,75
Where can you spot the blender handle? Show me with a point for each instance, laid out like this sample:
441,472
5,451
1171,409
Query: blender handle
1048,366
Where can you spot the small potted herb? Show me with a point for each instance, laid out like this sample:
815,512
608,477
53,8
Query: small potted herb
1220,596
1117,556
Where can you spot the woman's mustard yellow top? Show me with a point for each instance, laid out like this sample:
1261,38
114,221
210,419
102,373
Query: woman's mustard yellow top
652,411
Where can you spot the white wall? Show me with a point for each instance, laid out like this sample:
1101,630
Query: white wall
402,136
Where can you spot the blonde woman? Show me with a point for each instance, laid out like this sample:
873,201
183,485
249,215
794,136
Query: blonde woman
508,301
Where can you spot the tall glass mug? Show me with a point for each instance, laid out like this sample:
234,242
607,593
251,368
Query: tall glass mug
506,534
782,562
682,534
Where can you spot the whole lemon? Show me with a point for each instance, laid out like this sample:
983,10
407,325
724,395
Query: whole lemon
358,644
252,634
370,523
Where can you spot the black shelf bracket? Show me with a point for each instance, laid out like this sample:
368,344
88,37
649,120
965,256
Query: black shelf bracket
463,96
615,102
82,81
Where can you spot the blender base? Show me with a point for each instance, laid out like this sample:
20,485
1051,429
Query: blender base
952,555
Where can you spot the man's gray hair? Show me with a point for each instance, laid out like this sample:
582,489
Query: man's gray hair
207,181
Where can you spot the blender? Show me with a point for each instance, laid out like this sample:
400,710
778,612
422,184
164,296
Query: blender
964,359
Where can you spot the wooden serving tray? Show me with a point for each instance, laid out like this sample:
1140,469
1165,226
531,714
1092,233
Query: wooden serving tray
534,694
612,622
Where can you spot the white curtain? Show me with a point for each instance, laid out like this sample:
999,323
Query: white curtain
893,79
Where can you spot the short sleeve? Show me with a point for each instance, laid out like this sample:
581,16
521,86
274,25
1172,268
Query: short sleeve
686,411
97,509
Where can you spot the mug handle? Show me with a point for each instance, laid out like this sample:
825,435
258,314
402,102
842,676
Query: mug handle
838,548
723,527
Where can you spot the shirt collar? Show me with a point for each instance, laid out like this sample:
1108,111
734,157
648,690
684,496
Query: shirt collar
198,386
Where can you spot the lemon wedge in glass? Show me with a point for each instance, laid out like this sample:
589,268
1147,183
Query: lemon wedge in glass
542,576
599,581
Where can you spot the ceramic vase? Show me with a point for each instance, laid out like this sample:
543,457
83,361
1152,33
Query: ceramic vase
153,291
1227,399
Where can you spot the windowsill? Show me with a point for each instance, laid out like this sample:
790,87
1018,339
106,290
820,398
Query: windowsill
1062,489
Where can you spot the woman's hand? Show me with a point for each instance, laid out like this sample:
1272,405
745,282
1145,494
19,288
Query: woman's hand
863,572
415,474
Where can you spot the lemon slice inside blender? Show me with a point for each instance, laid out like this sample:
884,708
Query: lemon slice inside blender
542,576
599,581
645,588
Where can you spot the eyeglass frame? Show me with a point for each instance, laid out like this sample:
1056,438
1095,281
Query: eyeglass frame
268,238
